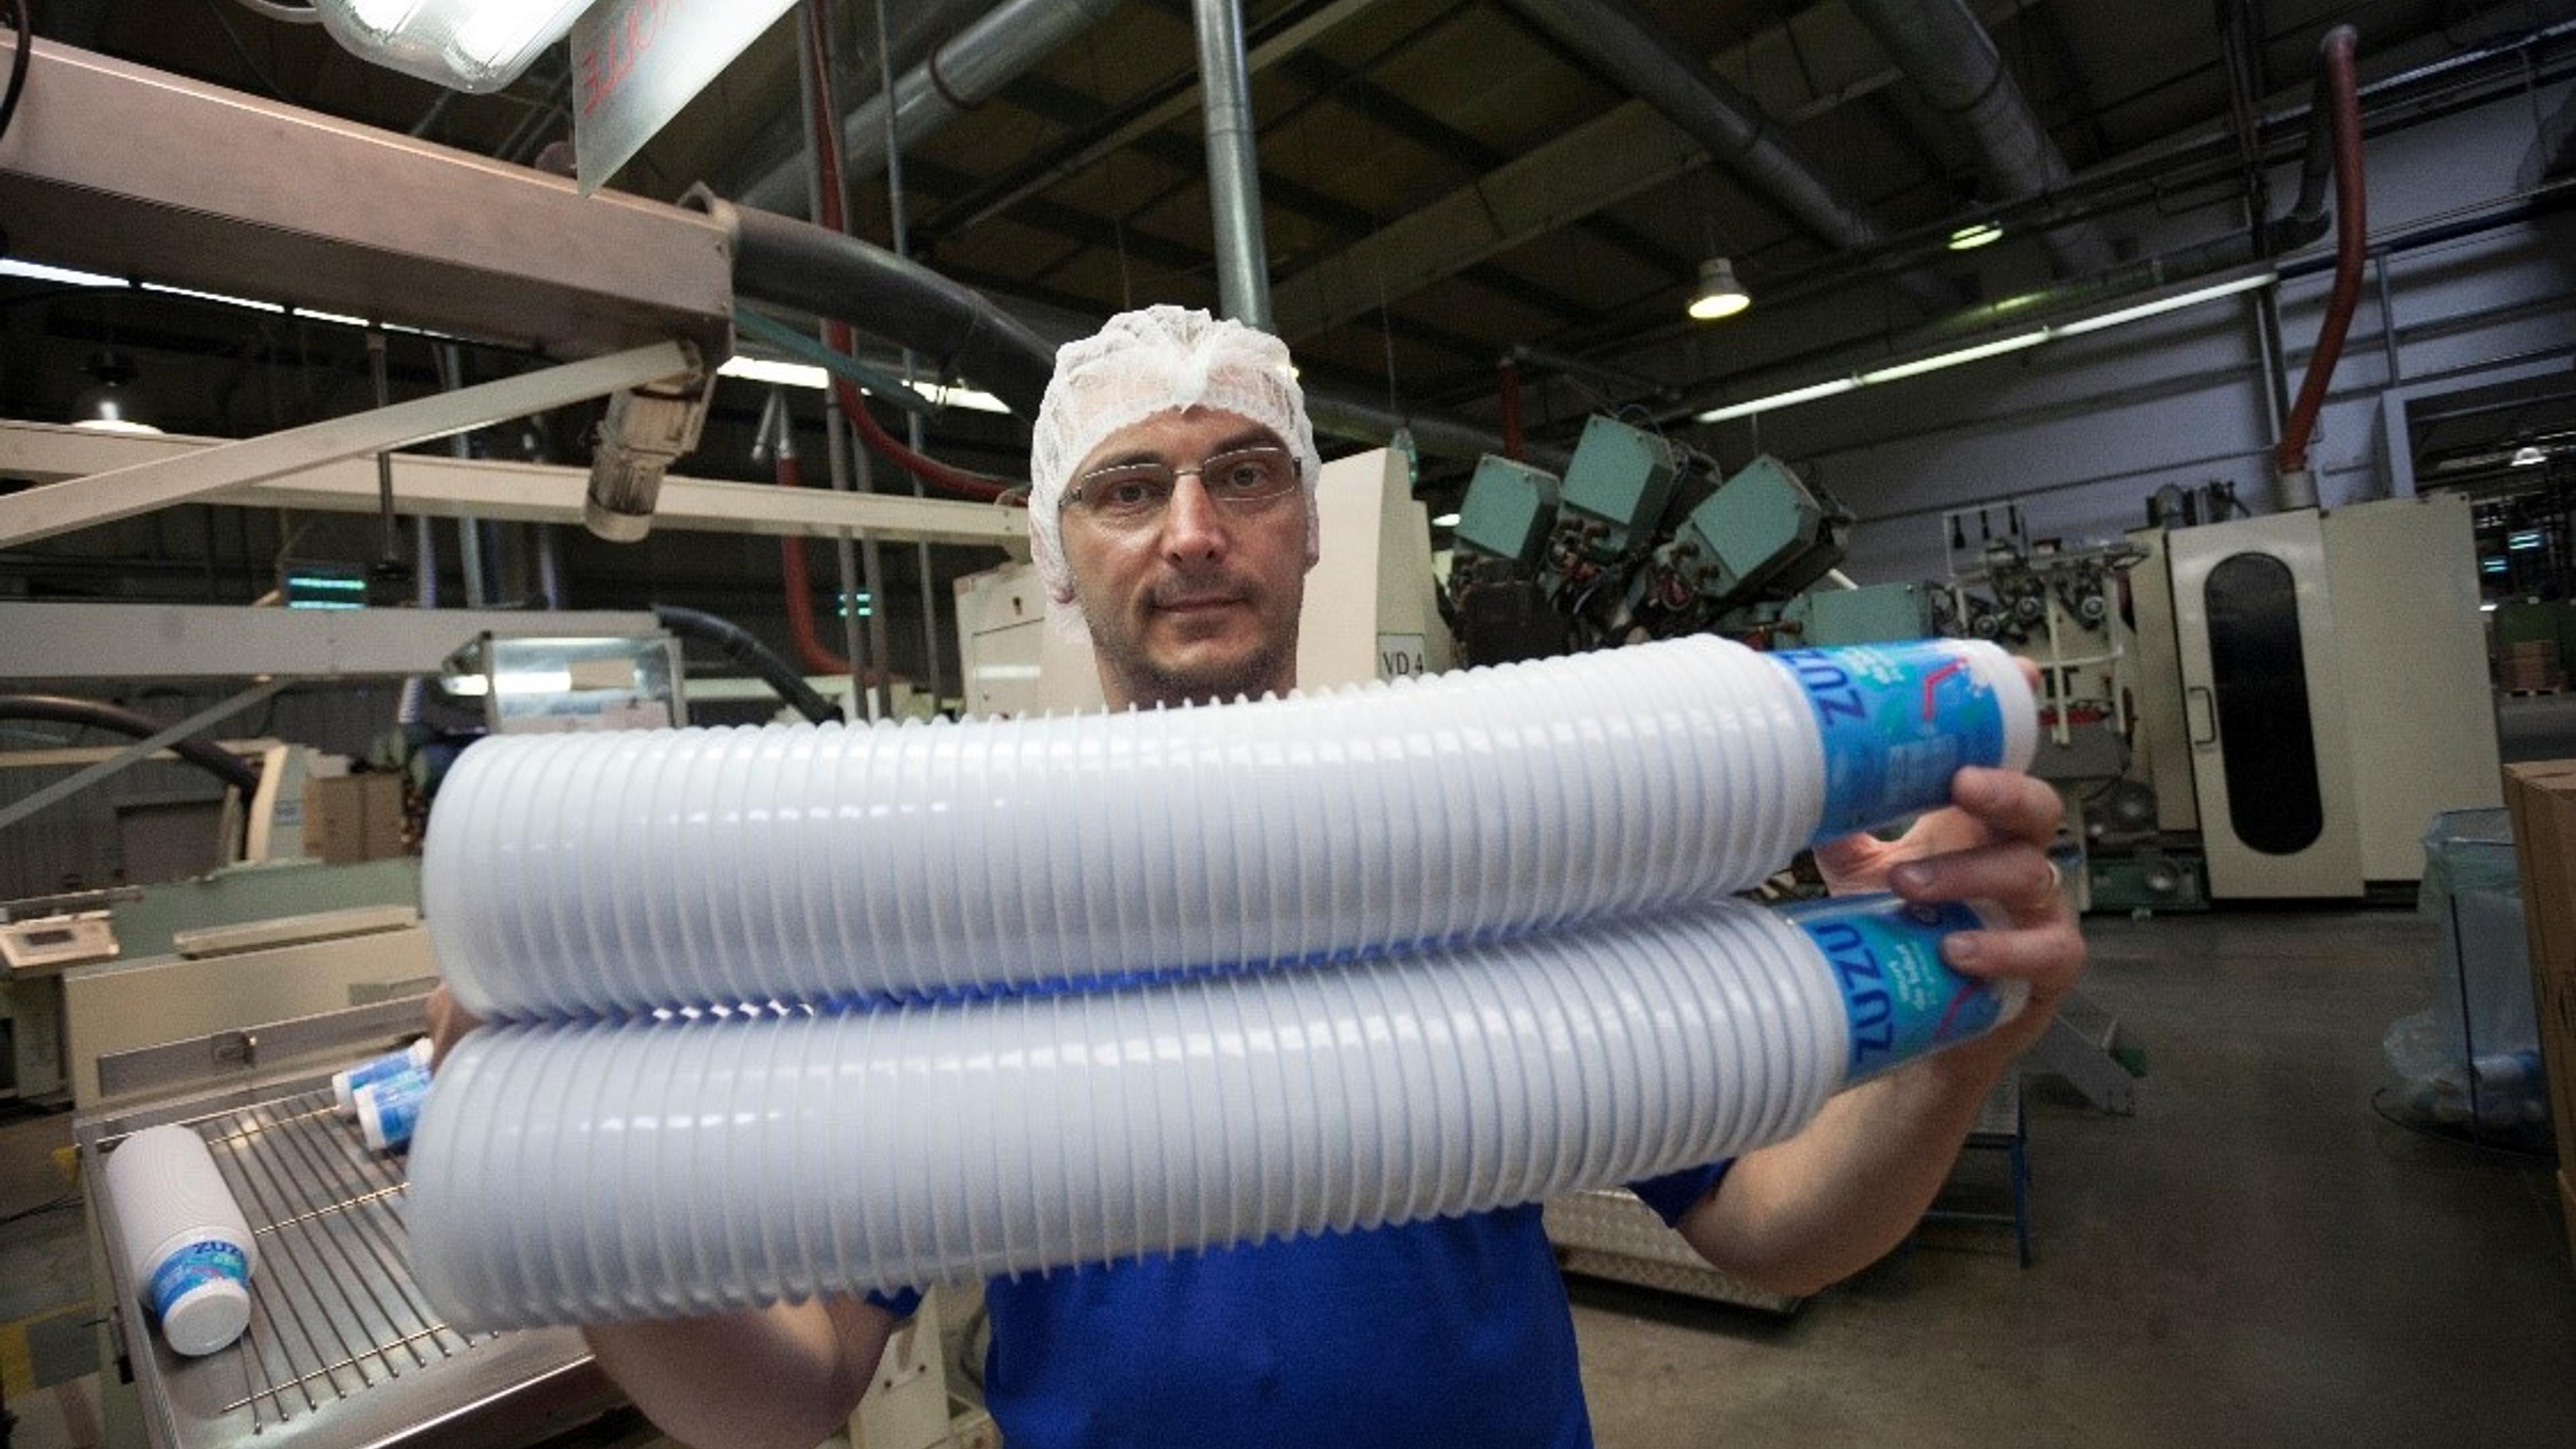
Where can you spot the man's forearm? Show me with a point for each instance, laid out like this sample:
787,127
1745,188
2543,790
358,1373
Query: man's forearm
780,1378
1801,1214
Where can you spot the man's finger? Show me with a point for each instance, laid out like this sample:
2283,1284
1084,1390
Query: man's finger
2009,803
2014,876
2049,957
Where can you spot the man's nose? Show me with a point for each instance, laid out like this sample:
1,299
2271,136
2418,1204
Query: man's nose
1193,528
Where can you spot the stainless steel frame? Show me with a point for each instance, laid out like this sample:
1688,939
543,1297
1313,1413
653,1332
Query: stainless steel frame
236,194
342,1348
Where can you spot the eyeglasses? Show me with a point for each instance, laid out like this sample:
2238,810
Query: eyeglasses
1129,494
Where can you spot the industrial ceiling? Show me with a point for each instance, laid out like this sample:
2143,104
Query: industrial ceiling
1443,181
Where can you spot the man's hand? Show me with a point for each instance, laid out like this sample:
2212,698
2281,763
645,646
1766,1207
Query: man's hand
447,1022
1990,845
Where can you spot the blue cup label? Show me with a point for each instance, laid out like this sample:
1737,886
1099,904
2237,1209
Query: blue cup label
200,1262
1901,999
391,1064
1898,721
396,1102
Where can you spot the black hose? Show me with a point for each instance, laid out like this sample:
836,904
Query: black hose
790,263
205,754
739,645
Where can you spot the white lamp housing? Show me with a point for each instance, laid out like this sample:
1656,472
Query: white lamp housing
1719,294
466,45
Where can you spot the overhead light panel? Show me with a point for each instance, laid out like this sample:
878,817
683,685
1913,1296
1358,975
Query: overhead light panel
1941,360
1829,387
2163,305
224,299
778,373
1719,294
2529,456
39,272
1446,520
466,45
1976,234
774,372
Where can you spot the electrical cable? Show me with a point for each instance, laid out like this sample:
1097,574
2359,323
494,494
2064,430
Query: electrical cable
67,1200
19,55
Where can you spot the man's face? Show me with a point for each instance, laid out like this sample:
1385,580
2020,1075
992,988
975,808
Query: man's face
1201,602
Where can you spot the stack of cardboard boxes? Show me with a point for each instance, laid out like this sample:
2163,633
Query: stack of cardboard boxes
2530,667
349,818
2542,797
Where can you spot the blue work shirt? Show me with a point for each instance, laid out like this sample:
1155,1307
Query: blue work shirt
1453,1331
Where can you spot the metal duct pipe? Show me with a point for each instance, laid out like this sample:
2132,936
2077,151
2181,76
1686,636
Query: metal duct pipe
1941,46
1344,416
918,25
963,73
1629,47
1234,166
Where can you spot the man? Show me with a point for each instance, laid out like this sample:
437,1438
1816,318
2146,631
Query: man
1172,514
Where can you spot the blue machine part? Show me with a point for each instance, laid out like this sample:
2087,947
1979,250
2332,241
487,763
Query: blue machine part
1508,510
1621,479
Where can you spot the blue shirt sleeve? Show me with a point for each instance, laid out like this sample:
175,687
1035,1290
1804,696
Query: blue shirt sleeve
1675,1193
901,1304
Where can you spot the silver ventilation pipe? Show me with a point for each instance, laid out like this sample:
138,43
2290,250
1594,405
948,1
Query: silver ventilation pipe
1949,55
1234,166
965,72
1629,47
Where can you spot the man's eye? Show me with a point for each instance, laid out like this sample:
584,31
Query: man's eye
1127,493
1244,476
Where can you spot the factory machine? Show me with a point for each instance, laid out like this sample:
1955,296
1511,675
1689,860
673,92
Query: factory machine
1640,539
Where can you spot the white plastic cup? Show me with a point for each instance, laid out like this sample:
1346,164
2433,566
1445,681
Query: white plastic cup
388,1108
344,1084
613,1170
735,865
188,1250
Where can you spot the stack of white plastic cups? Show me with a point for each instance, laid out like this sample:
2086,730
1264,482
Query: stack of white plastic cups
994,998
188,1251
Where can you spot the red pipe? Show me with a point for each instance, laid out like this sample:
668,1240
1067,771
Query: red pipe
798,579
2352,243
1507,382
836,335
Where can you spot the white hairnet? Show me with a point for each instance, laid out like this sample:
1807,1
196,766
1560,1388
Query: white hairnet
1156,360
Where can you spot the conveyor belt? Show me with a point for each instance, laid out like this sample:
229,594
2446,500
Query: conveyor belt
342,1348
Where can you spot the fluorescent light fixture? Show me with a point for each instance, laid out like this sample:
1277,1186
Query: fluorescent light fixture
2494,565
333,582
2014,343
39,272
2161,305
2529,456
2486,608
961,397
342,318
2524,542
776,373
1976,234
220,297
523,681
324,604
1941,360
1719,294
115,425
1791,398
1446,520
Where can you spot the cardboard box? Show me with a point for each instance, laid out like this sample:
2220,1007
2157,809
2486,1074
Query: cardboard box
350,818
2542,797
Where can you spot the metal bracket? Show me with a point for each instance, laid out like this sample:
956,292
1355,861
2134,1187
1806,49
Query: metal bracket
106,497
192,1060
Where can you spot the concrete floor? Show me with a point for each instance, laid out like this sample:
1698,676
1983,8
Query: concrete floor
2254,1258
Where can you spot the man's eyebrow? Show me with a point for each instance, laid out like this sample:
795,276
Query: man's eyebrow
1249,438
